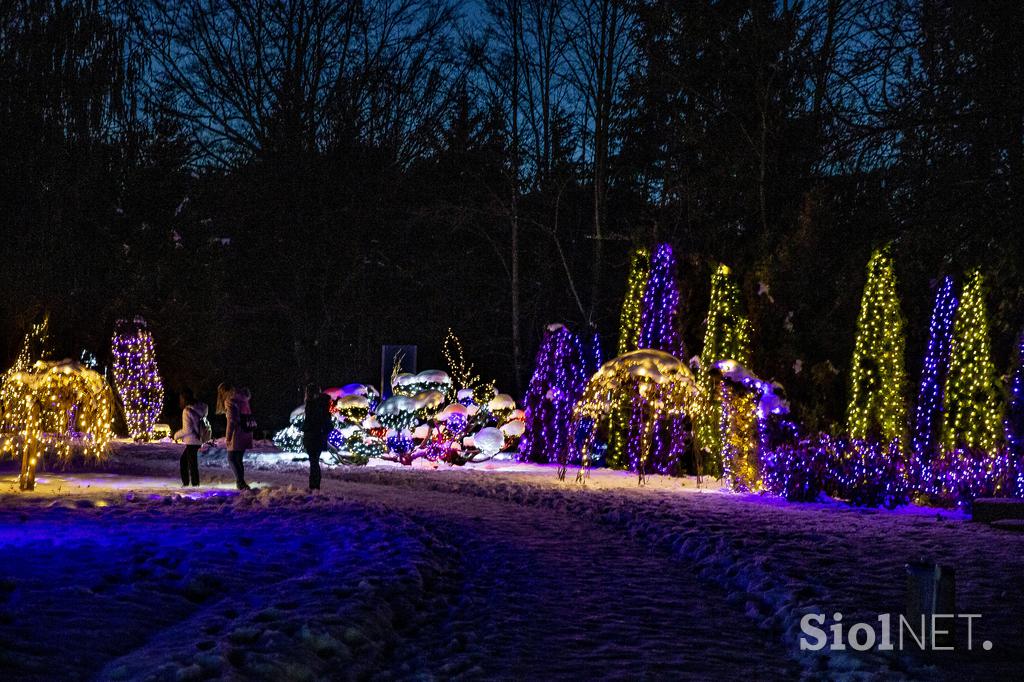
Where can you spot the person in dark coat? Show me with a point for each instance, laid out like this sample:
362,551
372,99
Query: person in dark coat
234,404
316,426
193,412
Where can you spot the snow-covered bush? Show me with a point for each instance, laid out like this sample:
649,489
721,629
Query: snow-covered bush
427,417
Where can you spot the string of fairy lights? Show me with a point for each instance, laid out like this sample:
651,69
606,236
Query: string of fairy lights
967,438
727,337
935,368
878,407
972,410
136,376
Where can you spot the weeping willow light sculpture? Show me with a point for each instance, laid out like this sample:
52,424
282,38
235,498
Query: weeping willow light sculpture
58,406
664,394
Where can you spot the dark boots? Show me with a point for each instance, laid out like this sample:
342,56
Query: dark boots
190,465
235,460
313,449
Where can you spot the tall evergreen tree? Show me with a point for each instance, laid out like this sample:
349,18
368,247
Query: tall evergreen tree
877,407
727,337
137,377
629,317
659,330
927,423
558,380
629,337
972,406
1015,409
659,309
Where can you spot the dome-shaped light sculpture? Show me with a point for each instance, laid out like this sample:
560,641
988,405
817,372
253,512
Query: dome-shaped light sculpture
663,388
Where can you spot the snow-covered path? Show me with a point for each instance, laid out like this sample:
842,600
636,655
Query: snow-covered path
379,581
535,593
397,574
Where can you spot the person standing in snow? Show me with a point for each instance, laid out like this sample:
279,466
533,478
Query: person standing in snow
194,431
234,403
316,424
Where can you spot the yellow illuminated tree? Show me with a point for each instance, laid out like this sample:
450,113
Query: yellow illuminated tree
727,337
878,407
35,346
629,336
972,409
740,457
629,317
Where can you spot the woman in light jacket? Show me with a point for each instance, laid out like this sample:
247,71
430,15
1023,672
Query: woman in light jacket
193,412
234,403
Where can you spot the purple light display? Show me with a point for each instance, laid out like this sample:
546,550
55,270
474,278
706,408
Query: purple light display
659,330
933,373
659,308
1015,408
869,473
558,380
136,376
865,473
963,475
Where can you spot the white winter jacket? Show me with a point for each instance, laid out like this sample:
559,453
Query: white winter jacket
192,424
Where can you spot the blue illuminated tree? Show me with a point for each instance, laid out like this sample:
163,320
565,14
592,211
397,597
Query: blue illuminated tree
659,308
928,417
660,315
1015,408
558,380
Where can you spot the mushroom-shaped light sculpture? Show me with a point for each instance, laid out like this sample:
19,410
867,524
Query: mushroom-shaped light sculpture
662,386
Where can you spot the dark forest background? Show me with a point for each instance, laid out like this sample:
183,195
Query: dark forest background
280,186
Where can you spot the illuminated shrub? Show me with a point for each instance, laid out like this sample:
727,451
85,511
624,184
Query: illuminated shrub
56,407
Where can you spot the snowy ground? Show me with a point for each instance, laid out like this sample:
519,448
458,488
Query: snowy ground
496,571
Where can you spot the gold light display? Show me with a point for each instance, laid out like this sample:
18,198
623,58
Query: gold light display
61,407
972,409
663,389
878,408
629,337
727,338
